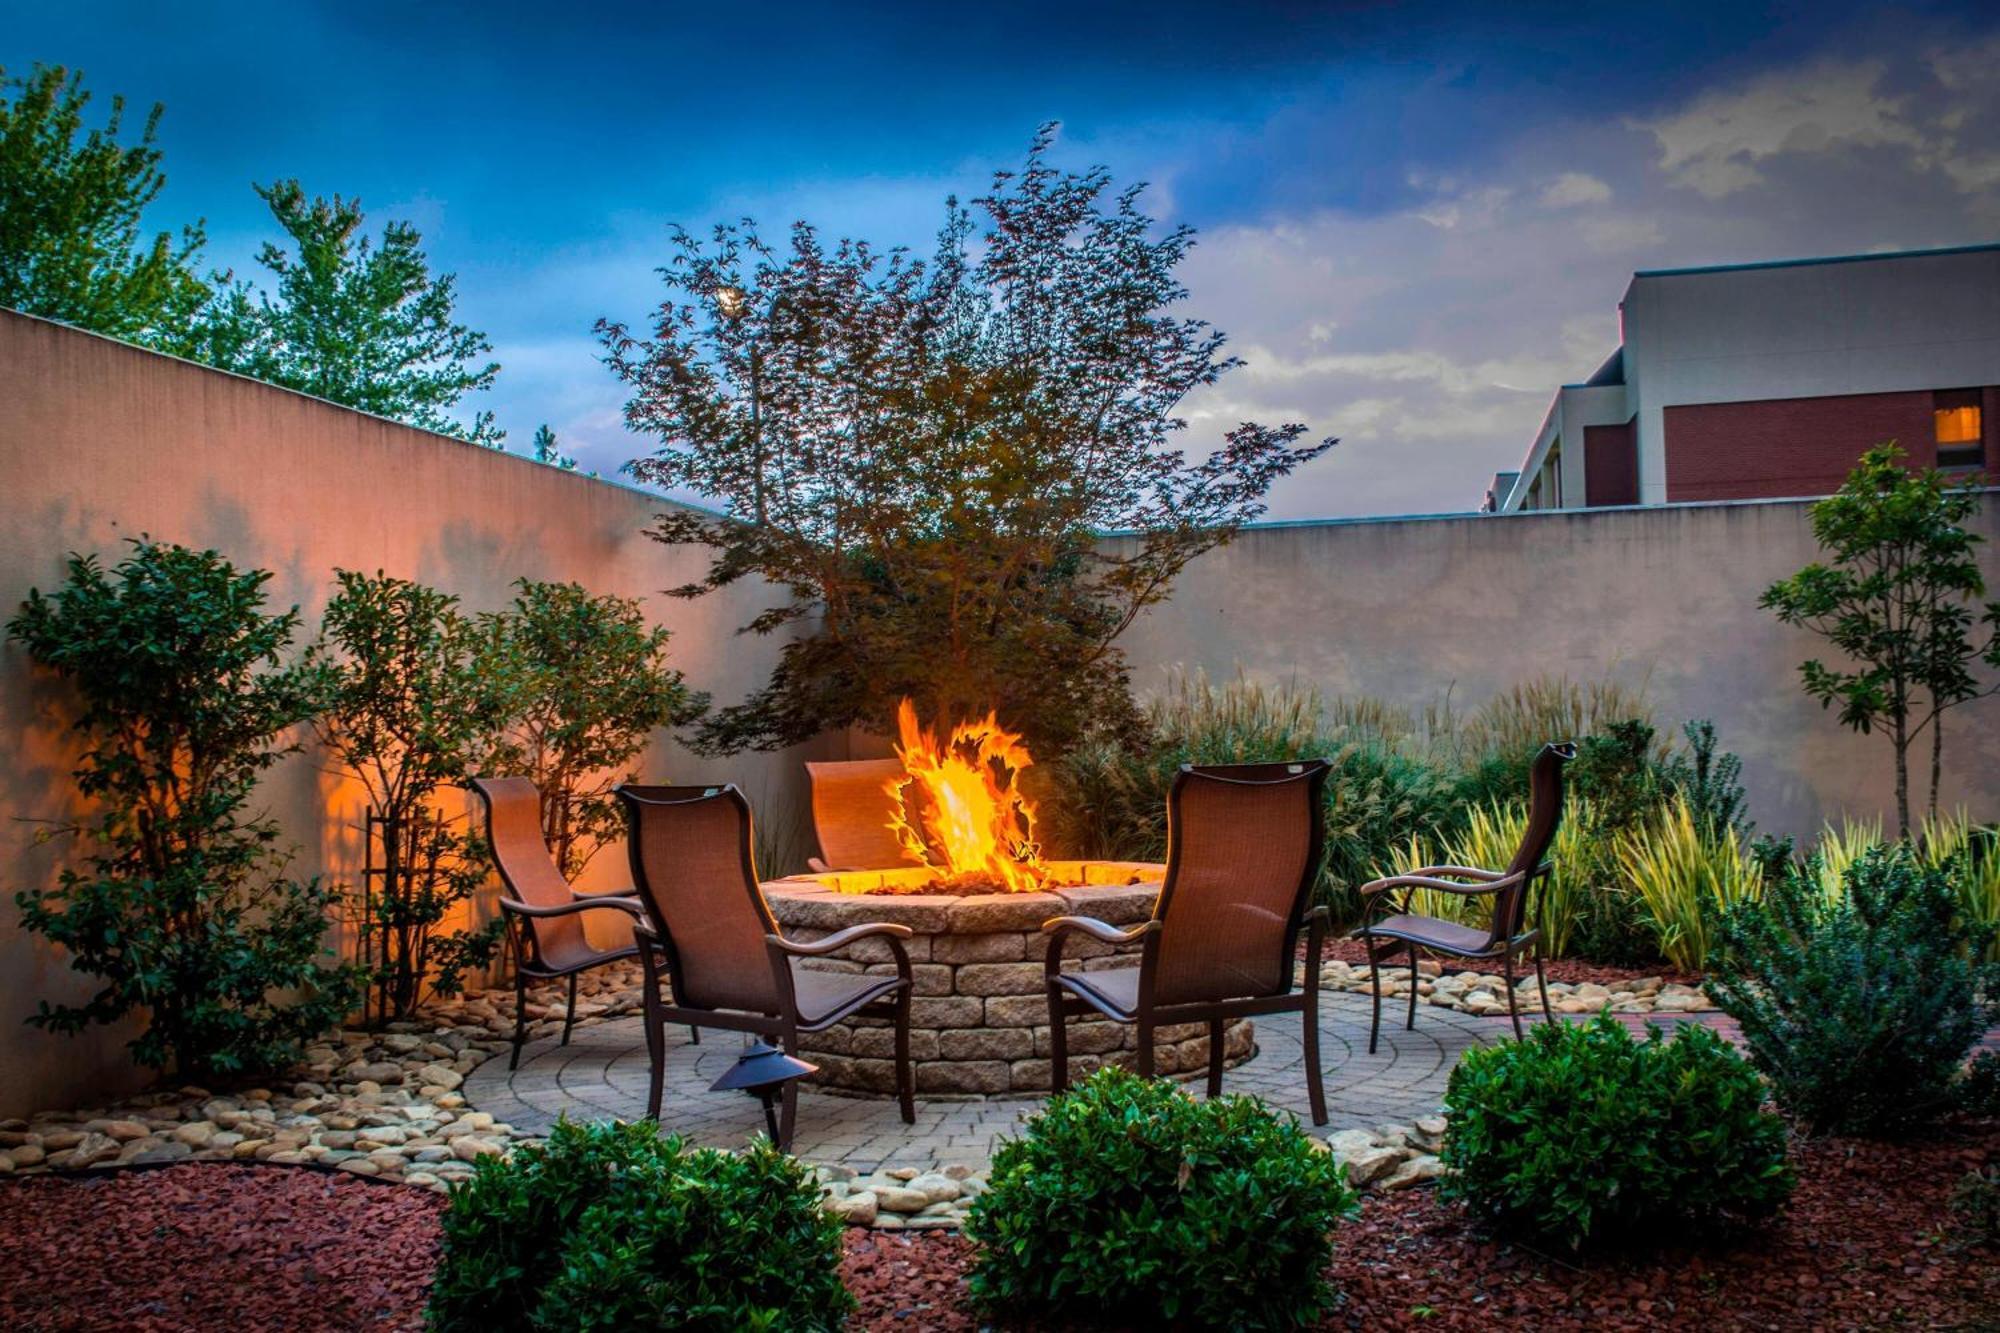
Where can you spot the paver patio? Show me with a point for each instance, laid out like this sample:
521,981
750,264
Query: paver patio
602,1073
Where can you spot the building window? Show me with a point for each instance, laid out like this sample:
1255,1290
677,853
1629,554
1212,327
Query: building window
1960,431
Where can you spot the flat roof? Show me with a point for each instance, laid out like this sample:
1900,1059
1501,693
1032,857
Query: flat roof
1821,259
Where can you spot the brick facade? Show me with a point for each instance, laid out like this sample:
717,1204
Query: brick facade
1610,465
1789,446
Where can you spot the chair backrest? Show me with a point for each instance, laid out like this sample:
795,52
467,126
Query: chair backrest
1545,809
693,870
851,809
1243,849
514,832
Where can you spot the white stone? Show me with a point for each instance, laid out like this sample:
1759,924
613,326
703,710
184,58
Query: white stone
1415,1171
858,1209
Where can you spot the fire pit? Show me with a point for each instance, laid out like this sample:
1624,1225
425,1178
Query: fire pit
975,889
979,1022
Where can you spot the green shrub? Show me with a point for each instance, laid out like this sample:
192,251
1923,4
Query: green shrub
1688,874
611,1226
1979,1087
183,909
1579,1133
1969,856
1860,1008
1709,781
1975,1208
1128,1199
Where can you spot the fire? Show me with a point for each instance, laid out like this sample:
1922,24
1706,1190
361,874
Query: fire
959,809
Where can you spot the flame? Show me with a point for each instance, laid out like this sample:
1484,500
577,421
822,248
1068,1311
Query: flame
959,809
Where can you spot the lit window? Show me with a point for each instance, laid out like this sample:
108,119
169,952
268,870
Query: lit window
1960,432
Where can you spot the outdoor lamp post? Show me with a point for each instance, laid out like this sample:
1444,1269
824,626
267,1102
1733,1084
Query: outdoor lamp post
763,1071
733,303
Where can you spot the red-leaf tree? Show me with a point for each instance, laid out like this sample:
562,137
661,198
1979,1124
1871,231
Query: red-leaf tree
927,456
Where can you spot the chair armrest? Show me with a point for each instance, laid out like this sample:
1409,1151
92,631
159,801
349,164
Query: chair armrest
1440,885
1098,930
630,905
1465,872
817,866
840,939
1058,926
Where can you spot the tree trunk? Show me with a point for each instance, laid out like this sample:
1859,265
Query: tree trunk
1937,757
1901,738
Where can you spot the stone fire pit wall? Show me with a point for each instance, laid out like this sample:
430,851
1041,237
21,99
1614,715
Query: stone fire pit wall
979,1022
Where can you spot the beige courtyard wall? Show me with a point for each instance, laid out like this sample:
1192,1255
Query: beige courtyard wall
100,441
1660,598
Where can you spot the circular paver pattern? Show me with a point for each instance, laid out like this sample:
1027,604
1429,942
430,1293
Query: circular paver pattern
602,1074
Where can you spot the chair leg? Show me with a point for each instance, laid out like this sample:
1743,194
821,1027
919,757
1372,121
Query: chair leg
1410,1023
1513,1005
1542,984
656,1036
569,1013
906,1079
1315,1087
1145,1049
1058,1042
1215,1057
694,1035
1374,990
520,1012
788,1104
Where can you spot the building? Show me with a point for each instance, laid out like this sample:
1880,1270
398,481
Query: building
1768,380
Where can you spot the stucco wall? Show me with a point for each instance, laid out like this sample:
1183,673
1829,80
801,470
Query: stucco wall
1664,598
99,442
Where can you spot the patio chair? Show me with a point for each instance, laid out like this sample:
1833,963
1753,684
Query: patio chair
851,812
727,966
1243,850
543,914
1506,935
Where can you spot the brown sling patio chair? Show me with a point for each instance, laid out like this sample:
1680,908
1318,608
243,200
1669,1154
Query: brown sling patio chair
726,964
1243,850
543,914
851,811
1507,933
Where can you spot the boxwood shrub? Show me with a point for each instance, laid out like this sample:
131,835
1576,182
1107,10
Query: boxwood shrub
611,1226
1126,1199
1581,1133
1860,1005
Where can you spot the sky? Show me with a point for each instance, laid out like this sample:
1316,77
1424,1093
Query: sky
1414,221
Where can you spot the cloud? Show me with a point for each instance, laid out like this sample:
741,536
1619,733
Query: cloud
1715,144
1940,111
1573,189
1431,338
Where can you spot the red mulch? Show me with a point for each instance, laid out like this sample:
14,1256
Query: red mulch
1575,971
1864,1245
214,1247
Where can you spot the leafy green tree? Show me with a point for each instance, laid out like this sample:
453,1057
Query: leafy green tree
352,321
548,451
1899,597
183,910
587,685
72,243
409,710
926,456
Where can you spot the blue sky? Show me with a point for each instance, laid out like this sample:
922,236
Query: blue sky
1415,219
